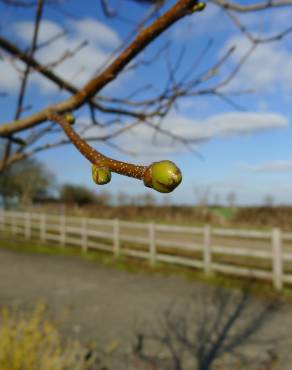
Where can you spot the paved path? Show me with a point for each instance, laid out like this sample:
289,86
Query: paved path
95,298
93,302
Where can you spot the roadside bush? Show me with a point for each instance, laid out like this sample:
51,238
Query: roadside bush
30,342
264,217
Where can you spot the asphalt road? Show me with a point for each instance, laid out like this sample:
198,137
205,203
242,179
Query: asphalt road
93,302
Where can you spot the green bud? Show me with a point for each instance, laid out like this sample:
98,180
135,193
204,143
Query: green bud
199,7
163,176
101,175
70,118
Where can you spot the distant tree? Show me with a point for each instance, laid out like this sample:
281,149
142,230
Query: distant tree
25,181
104,197
268,200
7,188
202,193
146,199
149,199
216,199
166,202
77,194
136,200
231,199
123,198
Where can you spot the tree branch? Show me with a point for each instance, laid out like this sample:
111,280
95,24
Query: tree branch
144,38
162,176
252,7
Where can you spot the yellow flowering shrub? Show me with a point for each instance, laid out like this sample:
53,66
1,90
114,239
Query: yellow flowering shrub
30,342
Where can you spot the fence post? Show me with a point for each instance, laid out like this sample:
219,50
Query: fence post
207,251
116,238
43,227
13,223
152,244
27,231
62,238
84,235
2,220
277,260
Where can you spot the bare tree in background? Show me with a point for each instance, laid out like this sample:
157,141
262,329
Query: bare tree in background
149,200
216,199
123,198
269,200
213,330
231,199
32,130
202,194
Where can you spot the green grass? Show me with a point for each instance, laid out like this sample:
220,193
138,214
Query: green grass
226,212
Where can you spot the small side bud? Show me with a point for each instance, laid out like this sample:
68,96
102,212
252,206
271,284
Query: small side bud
163,176
70,118
199,7
101,175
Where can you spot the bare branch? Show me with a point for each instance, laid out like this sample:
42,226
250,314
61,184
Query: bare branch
252,7
144,38
162,176
39,12
60,82
253,39
20,99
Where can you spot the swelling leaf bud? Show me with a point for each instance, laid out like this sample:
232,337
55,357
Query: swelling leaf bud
163,176
101,175
70,118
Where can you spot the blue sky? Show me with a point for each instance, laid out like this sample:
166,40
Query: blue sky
247,152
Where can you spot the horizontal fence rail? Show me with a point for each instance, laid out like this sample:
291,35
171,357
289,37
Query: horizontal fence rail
255,254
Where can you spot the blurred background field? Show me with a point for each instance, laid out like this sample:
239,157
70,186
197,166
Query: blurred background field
245,217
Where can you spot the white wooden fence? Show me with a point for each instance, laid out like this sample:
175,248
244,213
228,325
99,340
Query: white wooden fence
256,254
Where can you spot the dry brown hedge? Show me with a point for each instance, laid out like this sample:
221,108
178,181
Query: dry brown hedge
264,217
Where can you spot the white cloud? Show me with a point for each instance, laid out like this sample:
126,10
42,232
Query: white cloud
9,74
96,31
271,166
78,69
267,68
24,30
229,124
142,140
